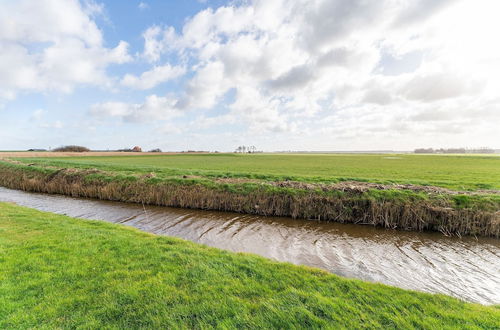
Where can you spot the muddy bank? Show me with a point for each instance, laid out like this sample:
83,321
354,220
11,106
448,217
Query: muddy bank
397,210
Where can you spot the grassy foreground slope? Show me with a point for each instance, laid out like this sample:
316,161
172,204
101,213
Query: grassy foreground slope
450,171
57,271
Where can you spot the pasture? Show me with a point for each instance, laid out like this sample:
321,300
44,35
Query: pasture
458,172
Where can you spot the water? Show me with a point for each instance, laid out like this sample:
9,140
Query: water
466,268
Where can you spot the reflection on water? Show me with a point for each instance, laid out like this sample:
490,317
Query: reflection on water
467,268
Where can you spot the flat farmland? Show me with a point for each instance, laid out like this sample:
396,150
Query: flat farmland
458,172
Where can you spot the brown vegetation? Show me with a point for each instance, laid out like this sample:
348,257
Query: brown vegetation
71,149
357,186
351,207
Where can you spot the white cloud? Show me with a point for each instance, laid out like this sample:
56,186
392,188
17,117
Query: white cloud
203,91
53,45
153,77
319,69
154,108
157,41
436,87
291,63
54,125
93,8
143,6
170,129
38,114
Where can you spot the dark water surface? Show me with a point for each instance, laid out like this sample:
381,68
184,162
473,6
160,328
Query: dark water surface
466,268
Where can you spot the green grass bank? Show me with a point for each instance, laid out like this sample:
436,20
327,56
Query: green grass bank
457,172
400,206
61,272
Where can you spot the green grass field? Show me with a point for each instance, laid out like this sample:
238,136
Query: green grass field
60,272
450,171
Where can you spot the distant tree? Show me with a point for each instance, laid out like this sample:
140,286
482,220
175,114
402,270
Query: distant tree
71,149
424,151
155,150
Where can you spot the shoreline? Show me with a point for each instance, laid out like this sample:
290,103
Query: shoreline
406,207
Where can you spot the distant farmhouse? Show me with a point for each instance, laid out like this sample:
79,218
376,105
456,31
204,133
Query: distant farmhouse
134,149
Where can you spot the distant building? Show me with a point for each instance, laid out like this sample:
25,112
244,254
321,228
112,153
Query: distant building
137,149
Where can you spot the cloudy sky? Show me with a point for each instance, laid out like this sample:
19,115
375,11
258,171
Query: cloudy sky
278,74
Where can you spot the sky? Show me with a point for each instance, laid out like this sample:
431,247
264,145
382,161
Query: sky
277,74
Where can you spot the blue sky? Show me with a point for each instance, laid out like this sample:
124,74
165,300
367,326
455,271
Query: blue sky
278,74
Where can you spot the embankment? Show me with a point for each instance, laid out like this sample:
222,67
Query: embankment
407,209
60,272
